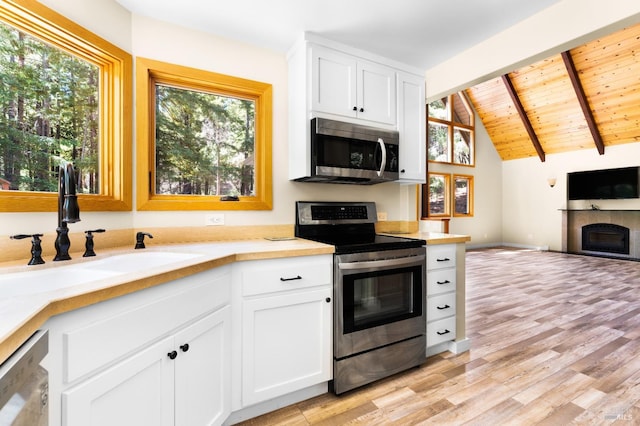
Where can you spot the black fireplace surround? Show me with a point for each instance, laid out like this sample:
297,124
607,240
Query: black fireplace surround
606,238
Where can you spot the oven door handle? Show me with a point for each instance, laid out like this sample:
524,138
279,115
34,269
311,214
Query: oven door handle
382,263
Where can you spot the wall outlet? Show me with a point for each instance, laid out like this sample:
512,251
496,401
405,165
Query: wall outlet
214,219
382,216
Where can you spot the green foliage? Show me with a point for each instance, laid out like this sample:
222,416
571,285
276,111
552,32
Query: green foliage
48,113
204,143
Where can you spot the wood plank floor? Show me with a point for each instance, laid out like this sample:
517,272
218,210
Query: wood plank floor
555,340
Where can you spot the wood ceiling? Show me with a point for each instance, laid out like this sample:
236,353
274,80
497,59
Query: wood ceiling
585,98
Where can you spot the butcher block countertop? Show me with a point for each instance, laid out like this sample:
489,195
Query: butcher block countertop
30,295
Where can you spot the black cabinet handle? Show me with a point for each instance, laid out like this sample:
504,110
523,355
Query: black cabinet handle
402,171
172,355
361,109
184,347
440,333
328,300
443,282
446,259
443,307
355,108
298,277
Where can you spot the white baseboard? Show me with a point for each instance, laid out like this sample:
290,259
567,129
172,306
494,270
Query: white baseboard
514,245
455,347
276,403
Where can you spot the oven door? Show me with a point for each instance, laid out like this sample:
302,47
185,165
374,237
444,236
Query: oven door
379,299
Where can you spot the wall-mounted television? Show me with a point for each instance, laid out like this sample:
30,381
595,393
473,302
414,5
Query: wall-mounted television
606,184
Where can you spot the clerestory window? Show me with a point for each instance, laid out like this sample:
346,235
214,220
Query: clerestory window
451,131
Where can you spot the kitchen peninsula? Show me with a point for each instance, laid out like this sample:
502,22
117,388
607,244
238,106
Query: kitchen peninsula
204,292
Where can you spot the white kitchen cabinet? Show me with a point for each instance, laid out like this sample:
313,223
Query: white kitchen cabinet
286,329
166,381
441,294
109,363
334,81
348,86
412,128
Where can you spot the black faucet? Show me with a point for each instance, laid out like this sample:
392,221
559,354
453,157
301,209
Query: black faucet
140,239
68,210
36,247
88,245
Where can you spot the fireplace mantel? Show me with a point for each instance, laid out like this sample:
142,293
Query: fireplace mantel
574,219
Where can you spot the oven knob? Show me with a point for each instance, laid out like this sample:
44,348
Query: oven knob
328,299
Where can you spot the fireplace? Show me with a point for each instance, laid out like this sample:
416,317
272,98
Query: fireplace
606,238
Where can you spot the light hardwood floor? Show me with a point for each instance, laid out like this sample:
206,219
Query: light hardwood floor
555,340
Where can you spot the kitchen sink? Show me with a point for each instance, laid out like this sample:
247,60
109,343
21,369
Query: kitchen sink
32,282
141,261
64,276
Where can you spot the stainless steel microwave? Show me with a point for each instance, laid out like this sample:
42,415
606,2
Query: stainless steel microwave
350,153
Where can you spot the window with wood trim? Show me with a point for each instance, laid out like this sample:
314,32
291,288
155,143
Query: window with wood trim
451,130
66,96
437,196
203,139
462,192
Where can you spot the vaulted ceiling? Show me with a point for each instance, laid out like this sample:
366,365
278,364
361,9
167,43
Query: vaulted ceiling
584,98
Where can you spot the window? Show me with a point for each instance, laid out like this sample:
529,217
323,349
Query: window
438,195
462,195
201,136
65,96
451,130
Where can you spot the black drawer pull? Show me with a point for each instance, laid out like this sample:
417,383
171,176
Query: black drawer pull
443,307
443,282
298,277
441,333
446,259
172,355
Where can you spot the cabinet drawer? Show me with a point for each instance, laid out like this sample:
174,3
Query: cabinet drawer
269,276
124,328
441,256
441,281
441,331
441,306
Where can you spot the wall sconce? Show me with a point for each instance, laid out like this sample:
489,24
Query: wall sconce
551,181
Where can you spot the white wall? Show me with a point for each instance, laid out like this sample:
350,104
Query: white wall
165,42
532,210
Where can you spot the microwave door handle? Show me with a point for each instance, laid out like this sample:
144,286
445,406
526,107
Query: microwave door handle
384,156
381,263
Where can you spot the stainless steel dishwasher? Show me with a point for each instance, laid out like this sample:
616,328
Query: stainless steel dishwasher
24,384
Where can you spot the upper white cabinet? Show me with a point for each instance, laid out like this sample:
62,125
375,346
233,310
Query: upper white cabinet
338,82
348,86
412,128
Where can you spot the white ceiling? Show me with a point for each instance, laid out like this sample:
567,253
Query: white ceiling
421,33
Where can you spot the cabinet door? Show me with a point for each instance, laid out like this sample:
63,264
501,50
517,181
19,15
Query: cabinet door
135,392
333,82
286,343
376,93
203,371
412,127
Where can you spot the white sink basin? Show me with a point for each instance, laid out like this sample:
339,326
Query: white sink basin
32,282
61,277
140,261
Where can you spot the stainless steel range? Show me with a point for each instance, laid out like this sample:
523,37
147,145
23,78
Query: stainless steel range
379,292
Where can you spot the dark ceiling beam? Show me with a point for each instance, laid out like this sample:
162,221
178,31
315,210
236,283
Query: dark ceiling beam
582,99
523,116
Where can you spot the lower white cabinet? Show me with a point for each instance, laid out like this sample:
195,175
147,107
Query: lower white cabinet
441,294
287,312
183,379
